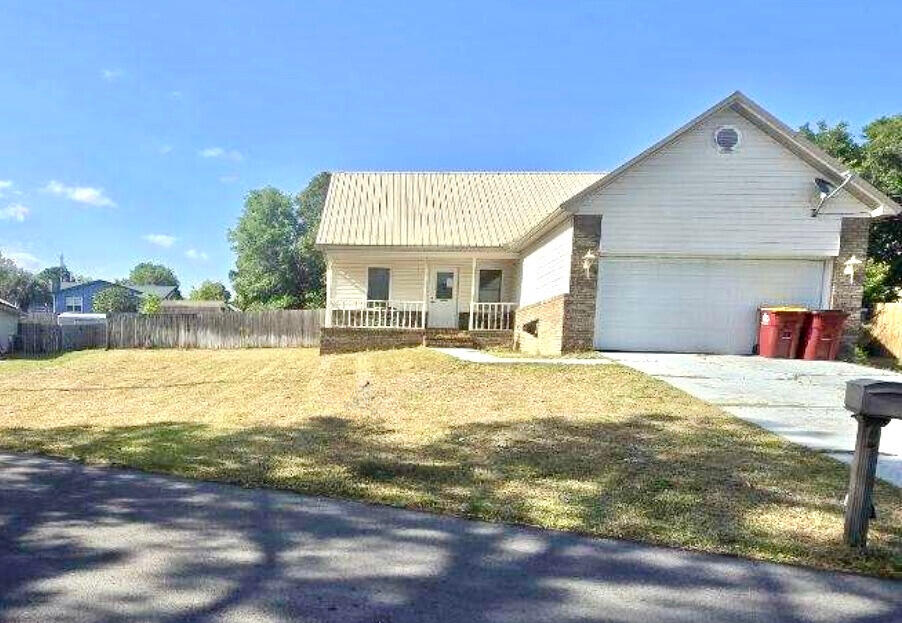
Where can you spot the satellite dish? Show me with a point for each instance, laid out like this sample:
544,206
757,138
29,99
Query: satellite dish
823,186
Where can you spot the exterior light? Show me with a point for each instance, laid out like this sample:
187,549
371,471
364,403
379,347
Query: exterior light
589,260
850,266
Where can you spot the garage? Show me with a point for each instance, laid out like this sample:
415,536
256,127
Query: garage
696,305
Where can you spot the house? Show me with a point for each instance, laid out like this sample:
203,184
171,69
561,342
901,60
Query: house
78,297
675,250
9,325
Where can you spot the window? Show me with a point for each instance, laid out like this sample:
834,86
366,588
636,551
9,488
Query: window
74,304
490,286
377,286
444,285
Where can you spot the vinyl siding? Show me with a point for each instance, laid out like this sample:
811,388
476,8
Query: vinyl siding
349,275
9,325
545,269
689,199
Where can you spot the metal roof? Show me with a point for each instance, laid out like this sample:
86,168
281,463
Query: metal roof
443,209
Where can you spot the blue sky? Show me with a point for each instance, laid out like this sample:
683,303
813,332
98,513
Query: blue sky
131,131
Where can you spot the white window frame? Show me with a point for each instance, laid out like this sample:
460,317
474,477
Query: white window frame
500,283
71,303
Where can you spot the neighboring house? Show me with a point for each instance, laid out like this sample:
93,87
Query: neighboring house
193,308
78,297
9,324
675,250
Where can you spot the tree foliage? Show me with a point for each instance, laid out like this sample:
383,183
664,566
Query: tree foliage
151,304
276,263
210,291
19,287
150,274
115,300
877,157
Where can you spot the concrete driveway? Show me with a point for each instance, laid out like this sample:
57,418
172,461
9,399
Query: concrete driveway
83,544
799,400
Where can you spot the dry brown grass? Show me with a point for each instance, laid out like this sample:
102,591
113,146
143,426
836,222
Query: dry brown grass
601,450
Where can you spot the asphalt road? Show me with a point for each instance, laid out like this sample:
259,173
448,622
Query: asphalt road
95,544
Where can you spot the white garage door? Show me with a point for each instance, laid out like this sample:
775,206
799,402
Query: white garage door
696,306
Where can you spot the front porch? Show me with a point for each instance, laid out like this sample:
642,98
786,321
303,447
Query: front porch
392,314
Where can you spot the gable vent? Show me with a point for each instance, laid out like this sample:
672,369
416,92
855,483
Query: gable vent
727,139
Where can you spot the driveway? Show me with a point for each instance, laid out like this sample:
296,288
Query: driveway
85,544
799,400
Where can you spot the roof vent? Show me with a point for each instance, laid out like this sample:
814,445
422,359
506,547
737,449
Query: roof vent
727,139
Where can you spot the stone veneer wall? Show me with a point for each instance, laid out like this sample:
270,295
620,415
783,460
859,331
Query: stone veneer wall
344,340
579,311
853,240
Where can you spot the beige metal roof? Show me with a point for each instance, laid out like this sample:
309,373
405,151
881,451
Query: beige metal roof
456,210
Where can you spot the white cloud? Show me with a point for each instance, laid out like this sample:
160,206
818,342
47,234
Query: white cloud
111,74
218,152
176,95
5,185
79,194
22,259
161,240
165,149
228,179
194,254
14,212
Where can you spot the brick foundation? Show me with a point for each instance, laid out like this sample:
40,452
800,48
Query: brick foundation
539,327
853,240
492,339
343,340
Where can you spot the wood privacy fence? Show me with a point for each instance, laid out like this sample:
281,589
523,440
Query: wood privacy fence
46,338
266,329
886,327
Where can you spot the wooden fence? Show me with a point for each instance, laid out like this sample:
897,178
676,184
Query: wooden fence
267,329
46,338
885,327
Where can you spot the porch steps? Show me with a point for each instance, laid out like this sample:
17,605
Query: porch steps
448,338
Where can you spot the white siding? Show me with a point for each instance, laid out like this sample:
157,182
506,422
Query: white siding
545,268
689,199
9,325
349,275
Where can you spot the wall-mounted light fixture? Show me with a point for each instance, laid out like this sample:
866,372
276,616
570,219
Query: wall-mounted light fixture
850,266
589,260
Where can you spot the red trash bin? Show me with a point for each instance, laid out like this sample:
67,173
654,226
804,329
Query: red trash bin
822,334
779,330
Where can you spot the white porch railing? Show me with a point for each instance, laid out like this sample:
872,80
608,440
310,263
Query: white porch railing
359,313
492,316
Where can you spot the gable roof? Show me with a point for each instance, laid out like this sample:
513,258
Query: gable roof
442,209
878,202
160,291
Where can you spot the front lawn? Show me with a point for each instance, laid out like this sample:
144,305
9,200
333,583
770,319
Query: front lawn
602,450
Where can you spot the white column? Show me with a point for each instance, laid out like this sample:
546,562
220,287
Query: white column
328,291
473,291
425,293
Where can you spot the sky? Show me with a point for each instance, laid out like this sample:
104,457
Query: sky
131,131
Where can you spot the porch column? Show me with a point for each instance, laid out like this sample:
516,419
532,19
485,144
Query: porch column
425,293
472,295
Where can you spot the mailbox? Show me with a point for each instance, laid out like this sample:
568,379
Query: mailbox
874,398
873,403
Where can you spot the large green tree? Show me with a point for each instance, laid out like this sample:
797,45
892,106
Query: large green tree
114,300
19,287
150,274
877,157
276,263
210,291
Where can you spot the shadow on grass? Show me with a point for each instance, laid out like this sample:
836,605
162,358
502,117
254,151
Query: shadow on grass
644,477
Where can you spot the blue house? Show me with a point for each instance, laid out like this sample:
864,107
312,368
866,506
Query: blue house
75,297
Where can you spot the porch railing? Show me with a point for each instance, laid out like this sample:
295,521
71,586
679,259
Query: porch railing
359,313
492,316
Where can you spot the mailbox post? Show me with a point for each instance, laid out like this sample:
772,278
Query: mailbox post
873,404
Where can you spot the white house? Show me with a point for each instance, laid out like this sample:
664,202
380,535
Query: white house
674,250
9,324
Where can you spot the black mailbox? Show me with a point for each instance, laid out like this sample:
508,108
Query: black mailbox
874,398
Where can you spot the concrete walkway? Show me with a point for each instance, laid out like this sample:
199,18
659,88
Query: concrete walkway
801,401
83,544
480,356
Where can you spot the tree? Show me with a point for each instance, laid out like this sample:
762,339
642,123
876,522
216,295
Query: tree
210,291
19,287
151,304
878,159
115,300
276,264
150,274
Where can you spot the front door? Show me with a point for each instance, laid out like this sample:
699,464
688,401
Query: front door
443,299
